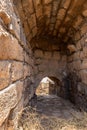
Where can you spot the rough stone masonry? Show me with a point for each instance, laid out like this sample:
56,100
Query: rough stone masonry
40,38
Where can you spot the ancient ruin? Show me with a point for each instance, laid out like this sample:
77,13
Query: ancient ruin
41,38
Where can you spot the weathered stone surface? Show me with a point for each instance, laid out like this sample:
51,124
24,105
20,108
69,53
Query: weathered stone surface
5,68
48,55
71,48
56,55
9,47
5,17
27,70
85,13
83,75
9,99
84,64
38,54
17,71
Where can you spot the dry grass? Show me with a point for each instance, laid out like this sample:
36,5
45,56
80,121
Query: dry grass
29,119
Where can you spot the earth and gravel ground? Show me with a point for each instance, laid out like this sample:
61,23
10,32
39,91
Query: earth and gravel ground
52,113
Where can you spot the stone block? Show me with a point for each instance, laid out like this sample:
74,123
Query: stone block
32,21
26,57
38,54
76,65
38,61
47,55
71,48
34,31
66,3
56,55
84,29
47,1
9,47
61,14
26,28
70,58
17,71
84,13
78,45
76,55
84,64
81,88
85,51
78,22
5,17
5,68
27,72
83,75
9,98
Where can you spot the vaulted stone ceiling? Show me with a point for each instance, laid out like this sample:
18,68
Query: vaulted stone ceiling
55,19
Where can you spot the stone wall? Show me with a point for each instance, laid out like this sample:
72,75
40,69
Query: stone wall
16,65
23,67
77,70
47,64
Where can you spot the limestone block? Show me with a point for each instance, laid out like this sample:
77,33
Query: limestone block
47,55
5,17
78,45
76,65
83,75
38,61
81,88
71,48
84,13
27,72
47,1
61,14
38,54
9,47
26,57
39,12
77,36
26,28
66,3
32,21
5,67
34,31
70,58
42,68
56,55
64,58
84,64
17,71
15,27
28,5
84,29
9,98
82,55
37,3
47,10
85,51
78,21
76,55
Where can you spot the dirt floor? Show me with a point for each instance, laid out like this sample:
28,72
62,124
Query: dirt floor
52,113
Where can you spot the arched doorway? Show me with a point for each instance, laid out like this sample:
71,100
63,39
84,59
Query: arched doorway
49,86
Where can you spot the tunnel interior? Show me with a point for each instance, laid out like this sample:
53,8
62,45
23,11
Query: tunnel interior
56,32
40,38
